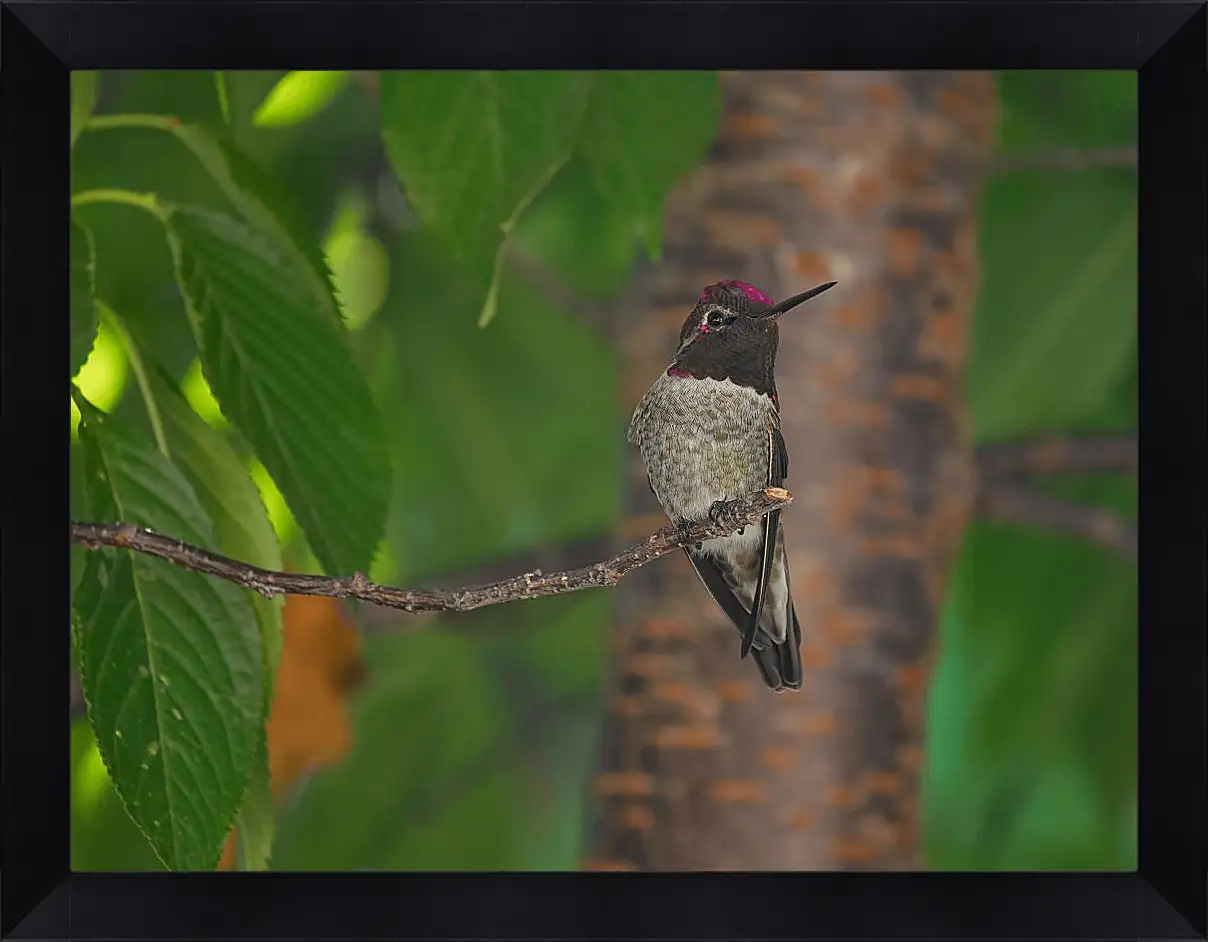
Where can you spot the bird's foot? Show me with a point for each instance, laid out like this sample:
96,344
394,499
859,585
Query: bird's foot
685,528
723,513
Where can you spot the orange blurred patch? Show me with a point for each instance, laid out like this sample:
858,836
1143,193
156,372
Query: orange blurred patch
309,723
927,388
843,796
867,192
812,265
943,337
910,758
886,95
738,791
638,817
818,723
842,625
751,126
855,851
628,706
903,547
227,862
799,174
814,656
687,737
908,170
961,106
628,784
853,317
733,691
689,696
885,783
649,665
905,250
309,726
662,627
894,510
609,865
885,479
817,584
762,230
777,759
863,415
933,199
634,528
850,496
909,678
838,372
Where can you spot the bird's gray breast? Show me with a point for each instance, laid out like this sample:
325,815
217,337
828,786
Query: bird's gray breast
702,440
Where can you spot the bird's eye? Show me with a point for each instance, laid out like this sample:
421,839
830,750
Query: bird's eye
718,319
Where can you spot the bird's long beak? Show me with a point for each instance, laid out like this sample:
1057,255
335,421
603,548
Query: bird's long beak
796,299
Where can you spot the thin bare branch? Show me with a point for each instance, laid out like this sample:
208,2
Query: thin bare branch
1016,504
548,557
1057,455
744,512
1009,463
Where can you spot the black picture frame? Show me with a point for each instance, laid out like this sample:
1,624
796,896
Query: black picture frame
1166,42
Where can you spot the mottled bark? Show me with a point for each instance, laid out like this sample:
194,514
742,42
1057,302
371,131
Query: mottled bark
871,179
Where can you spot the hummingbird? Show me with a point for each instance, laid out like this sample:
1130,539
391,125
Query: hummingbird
709,433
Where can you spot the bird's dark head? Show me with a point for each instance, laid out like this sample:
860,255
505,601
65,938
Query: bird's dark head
732,333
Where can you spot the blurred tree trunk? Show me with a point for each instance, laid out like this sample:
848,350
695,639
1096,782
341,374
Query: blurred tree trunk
871,179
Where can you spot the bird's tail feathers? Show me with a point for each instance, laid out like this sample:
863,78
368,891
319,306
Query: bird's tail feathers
780,664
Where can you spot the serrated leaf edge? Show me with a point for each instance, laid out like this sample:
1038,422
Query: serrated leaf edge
90,267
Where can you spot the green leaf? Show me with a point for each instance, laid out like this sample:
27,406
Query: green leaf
578,234
224,102
472,148
256,820
188,94
170,660
297,97
643,131
425,730
284,376
103,837
476,706
238,180
515,418
567,643
1057,109
83,100
83,296
263,202
242,530
228,495
360,264
1060,815
1038,672
1056,306
479,823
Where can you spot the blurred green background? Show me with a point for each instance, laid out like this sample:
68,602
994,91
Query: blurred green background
471,745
